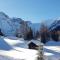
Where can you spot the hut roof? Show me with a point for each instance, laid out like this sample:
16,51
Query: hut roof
31,43
37,42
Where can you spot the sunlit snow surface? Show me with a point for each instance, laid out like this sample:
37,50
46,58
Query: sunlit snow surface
52,50
13,48
17,51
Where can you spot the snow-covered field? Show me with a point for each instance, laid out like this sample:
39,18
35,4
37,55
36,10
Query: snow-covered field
52,50
12,48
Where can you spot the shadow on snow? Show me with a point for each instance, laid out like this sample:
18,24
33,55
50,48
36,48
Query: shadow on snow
4,45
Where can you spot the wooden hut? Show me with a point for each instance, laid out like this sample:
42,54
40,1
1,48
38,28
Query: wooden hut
32,45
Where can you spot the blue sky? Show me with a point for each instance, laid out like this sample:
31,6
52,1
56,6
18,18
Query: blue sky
31,10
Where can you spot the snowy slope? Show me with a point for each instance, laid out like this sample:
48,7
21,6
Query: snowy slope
52,50
13,48
53,43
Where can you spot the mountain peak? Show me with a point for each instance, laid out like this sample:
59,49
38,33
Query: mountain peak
3,15
58,18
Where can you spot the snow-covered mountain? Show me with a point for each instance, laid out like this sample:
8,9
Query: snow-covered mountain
5,24
55,24
3,15
9,25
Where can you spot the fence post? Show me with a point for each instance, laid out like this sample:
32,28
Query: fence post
40,52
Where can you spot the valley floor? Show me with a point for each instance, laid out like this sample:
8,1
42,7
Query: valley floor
12,48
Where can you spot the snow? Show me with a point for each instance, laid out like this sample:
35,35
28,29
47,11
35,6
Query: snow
53,43
10,50
55,24
6,25
20,53
9,25
3,15
13,48
37,42
52,50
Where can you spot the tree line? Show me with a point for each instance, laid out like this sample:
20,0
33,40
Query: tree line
43,33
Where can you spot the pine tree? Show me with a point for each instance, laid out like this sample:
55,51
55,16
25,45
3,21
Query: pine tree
37,34
44,32
1,33
55,35
29,35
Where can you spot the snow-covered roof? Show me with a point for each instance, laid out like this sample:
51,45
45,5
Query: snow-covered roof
37,42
